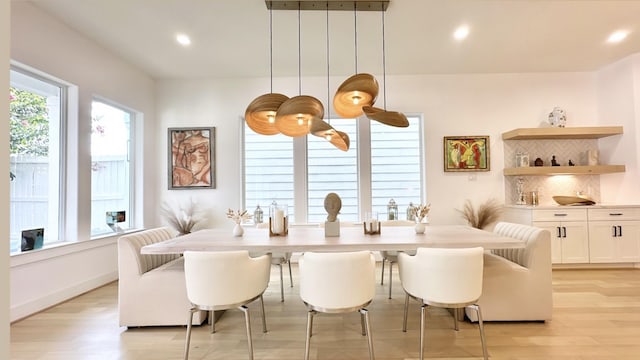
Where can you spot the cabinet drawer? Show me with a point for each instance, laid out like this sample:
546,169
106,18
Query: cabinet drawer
559,215
614,214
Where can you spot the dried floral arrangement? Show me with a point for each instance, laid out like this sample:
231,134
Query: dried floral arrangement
183,218
487,213
239,217
422,211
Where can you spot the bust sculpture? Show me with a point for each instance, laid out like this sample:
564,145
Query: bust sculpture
332,204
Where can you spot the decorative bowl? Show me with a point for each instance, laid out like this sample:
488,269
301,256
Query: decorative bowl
573,200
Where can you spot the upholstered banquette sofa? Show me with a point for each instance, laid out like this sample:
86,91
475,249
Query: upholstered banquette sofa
517,282
151,288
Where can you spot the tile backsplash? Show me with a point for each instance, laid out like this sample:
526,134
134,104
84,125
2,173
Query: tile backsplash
548,186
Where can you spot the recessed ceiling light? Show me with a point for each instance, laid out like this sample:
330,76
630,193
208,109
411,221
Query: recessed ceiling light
617,36
183,39
461,32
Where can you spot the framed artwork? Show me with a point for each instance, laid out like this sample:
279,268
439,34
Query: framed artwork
466,153
191,158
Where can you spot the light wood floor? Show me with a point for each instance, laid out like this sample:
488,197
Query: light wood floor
596,316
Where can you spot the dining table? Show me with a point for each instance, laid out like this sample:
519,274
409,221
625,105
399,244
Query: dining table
350,238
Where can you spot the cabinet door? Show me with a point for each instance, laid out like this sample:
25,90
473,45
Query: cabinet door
556,240
602,247
575,243
628,241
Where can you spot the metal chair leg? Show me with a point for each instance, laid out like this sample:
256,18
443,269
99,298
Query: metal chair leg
247,320
390,277
188,338
212,321
362,323
382,273
481,327
406,309
423,313
264,319
367,322
310,314
281,284
455,319
290,275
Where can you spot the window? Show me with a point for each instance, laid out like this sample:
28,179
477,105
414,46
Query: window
383,162
111,166
396,166
36,143
268,171
333,170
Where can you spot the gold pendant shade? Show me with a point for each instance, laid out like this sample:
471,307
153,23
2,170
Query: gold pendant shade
321,128
294,117
391,118
357,91
261,113
340,140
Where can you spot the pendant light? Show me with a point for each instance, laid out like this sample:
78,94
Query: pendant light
392,118
358,90
294,117
323,129
261,112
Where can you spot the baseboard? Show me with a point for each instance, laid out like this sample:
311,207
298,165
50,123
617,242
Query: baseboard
27,309
595,266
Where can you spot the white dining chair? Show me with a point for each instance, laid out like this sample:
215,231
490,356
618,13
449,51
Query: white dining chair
392,256
447,278
337,283
225,280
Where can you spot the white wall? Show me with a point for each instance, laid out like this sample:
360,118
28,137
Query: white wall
41,42
452,105
4,183
619,102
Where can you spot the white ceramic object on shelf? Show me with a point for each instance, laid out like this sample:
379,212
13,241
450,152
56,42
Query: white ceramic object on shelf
557,117
238,230
420,227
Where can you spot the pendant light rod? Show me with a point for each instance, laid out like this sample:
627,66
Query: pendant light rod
328,80
384,67
271,47
299,56
355,32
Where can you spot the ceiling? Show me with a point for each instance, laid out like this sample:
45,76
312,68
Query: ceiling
231,38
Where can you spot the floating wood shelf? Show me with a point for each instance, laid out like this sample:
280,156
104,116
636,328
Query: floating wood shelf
564,170
562,133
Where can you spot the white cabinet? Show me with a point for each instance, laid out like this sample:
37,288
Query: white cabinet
569,233
614,235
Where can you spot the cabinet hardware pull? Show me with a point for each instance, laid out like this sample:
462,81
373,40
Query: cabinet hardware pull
559,231
559,214
620,230
614,231
564,232
616,214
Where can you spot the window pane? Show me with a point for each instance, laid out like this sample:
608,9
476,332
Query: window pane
268,171
333,170
35,191
110,167
396,171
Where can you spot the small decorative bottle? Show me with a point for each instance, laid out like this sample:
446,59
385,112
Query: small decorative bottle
257,215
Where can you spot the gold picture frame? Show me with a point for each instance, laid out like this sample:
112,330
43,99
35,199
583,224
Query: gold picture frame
466,153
